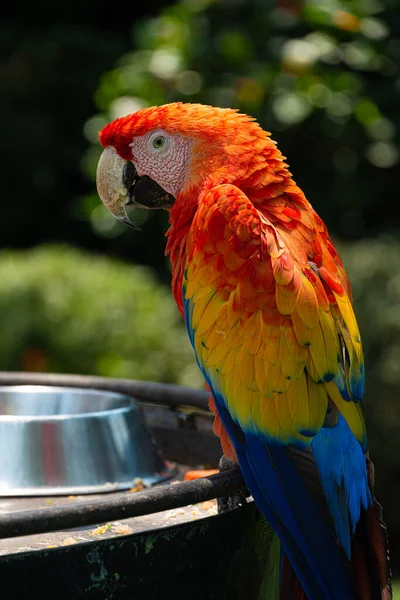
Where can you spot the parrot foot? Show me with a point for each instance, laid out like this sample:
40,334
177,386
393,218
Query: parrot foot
235,500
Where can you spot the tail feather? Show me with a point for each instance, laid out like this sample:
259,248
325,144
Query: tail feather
285,483
380,548
370,551
370,557
290,585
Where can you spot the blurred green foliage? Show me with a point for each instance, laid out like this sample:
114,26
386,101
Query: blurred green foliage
323,77
67,311
52,55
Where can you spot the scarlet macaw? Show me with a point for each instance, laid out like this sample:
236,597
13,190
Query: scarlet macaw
267,306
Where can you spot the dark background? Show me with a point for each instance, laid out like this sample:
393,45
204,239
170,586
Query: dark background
323,78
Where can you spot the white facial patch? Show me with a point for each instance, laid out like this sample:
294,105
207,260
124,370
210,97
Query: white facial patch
164,157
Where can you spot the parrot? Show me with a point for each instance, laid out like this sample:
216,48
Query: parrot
268,309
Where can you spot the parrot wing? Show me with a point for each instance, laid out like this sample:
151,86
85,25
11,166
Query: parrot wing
275,333
276,339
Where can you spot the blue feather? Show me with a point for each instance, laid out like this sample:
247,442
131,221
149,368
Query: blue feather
343,472
188,313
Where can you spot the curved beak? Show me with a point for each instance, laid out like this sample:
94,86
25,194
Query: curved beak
119,186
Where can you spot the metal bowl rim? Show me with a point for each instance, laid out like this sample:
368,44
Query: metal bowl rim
131,406
107,487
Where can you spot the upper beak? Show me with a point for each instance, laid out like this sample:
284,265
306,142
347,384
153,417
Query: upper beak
119,186
111,185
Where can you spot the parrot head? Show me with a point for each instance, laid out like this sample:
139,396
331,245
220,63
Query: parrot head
159,154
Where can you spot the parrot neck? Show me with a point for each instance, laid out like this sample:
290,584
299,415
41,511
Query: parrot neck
261,175
181,217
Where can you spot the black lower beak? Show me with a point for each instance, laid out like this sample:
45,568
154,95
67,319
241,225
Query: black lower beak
144,191
128,222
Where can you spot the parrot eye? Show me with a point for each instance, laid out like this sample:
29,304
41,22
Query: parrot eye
158,141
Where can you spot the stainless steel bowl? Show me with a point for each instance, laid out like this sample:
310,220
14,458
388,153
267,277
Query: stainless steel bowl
57,441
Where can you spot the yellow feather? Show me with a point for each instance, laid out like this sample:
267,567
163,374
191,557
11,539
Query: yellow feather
209,314
286,355
256,343
199,308
270,334
269,353
318,352
228,363
285,424
192,286
296,395
350,410
206,275
352,370
277,421
200,292
245,354
285,302
311,368
214,337
287,296
307,306
217,355
298,354
234,337
317,404
244,358
282,273
275,378
244,403
331,341
232,314
269,417
347,313
260,377
232,389
256,413
303,333
199,352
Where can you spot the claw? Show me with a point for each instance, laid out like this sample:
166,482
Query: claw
235,500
